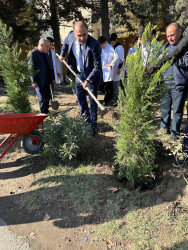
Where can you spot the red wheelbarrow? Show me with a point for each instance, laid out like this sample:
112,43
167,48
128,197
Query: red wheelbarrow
22,125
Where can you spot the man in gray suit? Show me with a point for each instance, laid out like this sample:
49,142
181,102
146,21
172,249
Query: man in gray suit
84,57
44,75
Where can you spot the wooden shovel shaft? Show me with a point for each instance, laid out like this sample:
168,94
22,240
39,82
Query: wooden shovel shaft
88,90
52,95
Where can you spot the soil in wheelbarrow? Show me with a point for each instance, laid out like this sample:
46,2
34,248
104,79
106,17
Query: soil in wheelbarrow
82,205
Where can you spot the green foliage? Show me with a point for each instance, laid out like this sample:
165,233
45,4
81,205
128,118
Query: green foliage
24,17
178,10
135,141
127,16
65,136
14,72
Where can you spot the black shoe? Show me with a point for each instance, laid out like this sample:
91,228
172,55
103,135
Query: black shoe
167,131
94,133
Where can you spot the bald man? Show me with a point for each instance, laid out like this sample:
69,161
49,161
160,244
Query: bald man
44,75
84,57
180,49
178,78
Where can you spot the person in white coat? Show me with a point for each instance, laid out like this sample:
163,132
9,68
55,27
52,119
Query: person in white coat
108,59
55,64
119,67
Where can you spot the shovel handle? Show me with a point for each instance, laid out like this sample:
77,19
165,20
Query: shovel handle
88,90
51,93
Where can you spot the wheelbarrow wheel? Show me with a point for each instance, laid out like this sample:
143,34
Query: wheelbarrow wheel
29,146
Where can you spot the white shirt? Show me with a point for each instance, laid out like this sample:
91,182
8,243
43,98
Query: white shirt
57,66
120,52
146,51
145,54
76,52
108,56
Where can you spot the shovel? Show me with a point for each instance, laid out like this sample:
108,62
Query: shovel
54,104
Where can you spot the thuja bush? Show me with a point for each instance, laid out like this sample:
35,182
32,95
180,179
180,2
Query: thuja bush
65,137
135,141
14,72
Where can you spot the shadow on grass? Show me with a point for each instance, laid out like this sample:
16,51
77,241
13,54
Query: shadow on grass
17,163
181,246
81,198
82,194
25,166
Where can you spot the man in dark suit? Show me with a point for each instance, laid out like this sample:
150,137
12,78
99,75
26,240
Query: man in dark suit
43,75
84,57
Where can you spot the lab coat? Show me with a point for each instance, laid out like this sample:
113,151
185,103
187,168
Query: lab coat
119,50
57,65
108,56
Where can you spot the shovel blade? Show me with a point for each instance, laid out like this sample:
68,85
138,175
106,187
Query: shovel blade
55,105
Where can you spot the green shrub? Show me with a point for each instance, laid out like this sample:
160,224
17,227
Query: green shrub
14,72
64,136
135,141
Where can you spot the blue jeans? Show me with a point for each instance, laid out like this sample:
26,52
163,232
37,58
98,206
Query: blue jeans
83,105
176,99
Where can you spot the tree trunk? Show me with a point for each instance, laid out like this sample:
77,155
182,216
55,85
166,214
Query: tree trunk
55,25
105,22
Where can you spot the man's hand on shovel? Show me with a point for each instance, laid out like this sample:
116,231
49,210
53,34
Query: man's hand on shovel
61,58
85,85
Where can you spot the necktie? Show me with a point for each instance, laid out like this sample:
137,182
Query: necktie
81,60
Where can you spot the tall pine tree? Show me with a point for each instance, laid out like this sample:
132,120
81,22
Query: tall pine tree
135,141
14,72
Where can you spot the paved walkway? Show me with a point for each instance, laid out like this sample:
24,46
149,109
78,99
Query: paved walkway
9,240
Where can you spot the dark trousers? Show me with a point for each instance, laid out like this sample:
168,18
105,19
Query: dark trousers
90,116
185,139
108,91
44,97
176,99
